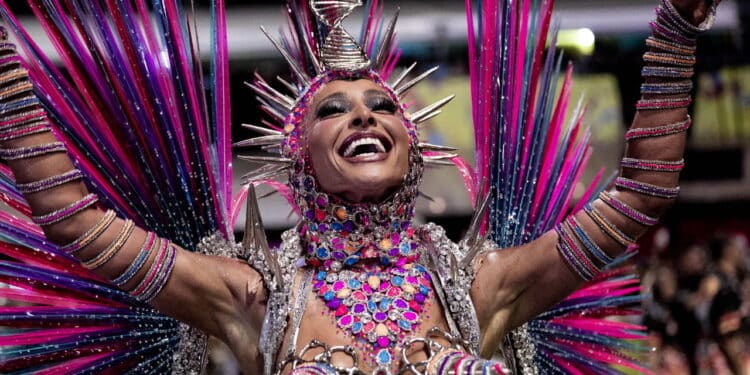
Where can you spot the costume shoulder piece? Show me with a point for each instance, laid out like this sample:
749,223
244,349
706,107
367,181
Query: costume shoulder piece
126,67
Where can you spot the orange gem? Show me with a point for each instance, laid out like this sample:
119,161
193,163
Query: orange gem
341,213
385,244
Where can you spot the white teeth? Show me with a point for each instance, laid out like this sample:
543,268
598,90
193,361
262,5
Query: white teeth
362,142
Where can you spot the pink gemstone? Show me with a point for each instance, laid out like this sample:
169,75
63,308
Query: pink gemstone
368,327
383,342
323,290
412,280
342,310
401,262
359,296
384,286
410,316
366,288
338,286
424,281
415,306
392,326
394,292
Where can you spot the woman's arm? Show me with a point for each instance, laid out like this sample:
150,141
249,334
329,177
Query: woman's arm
208,293
514,285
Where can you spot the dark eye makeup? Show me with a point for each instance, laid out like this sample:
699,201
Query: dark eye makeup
380,103
332,107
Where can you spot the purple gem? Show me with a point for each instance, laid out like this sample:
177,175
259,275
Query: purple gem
395,237
338,255
319,284
310,214
400,304
410,316
359,308
323,228
383,342
419,297
349,226
380,316
393,252
346,320
322,200
404,225
334,304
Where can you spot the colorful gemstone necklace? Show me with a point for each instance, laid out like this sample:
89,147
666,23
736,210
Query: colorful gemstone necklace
377,305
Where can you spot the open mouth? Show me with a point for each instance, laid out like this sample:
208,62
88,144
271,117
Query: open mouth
360,146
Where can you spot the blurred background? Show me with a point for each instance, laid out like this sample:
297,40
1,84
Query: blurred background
694,265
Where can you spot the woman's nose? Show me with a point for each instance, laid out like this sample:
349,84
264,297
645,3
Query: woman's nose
363,117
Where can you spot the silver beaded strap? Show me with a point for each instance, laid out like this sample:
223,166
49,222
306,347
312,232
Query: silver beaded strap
67,211
32,151
51,182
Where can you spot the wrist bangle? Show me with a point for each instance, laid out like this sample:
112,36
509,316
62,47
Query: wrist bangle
32,151
667,72
647,189
627,210
669,59
681,87
664,103
659,131
113,248
67,211
92,234
607,227
151,242
669,46
653,165
51,182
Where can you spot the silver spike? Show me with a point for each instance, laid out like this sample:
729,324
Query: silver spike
428,117
292,88
270,98
303,77
271,110
422,113
265,172
261,130
426,196
403,75
260,141
403,89
439,163
285,98
432,147
471,239
444,156
453,265
387,41
265,159
255,237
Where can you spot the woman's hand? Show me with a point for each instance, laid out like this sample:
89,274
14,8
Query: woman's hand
694,11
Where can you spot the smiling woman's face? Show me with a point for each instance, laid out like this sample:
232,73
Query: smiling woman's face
357,142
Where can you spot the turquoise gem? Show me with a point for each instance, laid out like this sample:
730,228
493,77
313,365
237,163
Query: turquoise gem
328,296
405,248
322,253
355,284
385,303
397,280
383,357
403,324
372,306
321,275
423,289
356,327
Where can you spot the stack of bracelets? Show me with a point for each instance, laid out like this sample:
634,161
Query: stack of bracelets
668,70
22,115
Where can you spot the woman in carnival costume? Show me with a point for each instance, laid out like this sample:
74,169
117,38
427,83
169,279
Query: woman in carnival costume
356,287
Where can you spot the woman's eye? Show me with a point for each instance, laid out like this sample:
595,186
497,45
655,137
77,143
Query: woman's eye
384,105
331,108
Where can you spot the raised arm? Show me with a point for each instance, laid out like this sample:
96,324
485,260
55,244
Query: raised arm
514,285
207,292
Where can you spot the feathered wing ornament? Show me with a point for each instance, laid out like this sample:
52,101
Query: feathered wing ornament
529,159
152,135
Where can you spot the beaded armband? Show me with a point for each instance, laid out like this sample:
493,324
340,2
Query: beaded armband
67,211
